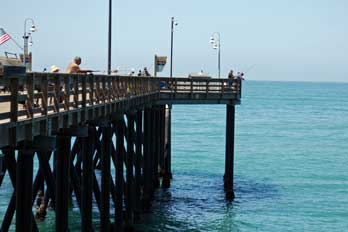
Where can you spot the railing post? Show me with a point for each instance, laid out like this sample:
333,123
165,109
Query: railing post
13,109
30,95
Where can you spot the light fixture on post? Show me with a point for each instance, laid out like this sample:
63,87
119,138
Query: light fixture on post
173,23
26,37
215,41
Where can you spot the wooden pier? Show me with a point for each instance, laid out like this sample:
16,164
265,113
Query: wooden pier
79,124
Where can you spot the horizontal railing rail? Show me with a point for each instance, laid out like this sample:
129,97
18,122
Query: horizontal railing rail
42,94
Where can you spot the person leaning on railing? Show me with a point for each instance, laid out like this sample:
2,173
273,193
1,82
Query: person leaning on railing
74,67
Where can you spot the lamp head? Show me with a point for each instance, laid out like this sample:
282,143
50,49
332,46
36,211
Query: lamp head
33,28
212,40
175,23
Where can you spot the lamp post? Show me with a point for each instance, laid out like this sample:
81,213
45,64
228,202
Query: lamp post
26,37
215,41
173,23
109,38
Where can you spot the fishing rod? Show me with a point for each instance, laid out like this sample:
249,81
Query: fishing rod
250,68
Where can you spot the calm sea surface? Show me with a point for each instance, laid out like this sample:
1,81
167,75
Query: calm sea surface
291,164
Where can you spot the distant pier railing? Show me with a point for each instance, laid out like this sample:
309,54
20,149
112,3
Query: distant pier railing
43,94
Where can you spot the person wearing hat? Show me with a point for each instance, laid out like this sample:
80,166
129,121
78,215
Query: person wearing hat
55,69
74,67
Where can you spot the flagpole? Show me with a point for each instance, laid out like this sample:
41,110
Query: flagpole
17,44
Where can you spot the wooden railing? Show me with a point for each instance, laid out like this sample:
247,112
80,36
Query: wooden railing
41,94
189,85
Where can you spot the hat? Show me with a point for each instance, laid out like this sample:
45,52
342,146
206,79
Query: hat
55,68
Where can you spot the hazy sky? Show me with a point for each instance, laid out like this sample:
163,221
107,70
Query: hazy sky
282,39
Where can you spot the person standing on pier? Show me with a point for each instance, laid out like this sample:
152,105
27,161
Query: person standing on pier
74,67
146,73
230,77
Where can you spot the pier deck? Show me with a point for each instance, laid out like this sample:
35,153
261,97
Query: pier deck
41,112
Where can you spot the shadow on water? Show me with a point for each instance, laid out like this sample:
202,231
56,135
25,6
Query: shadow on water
197,202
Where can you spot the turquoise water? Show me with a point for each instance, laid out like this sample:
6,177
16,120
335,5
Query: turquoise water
291,164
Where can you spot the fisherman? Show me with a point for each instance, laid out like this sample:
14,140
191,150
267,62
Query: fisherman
140,73
230,77
74,67
240,76
146,73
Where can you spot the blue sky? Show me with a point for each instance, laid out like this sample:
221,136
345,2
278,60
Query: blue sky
282,39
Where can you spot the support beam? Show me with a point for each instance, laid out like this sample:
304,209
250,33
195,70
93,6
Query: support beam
138,162
62,182
105,179
147,160
120,131
229,155
87,181
167,160
24,190
156,146
129,172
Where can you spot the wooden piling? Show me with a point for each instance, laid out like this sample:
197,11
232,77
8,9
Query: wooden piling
167,160
120,127
62,182
105,179
156,145
229,153
138,162
87,183
24,190
129,172
147,160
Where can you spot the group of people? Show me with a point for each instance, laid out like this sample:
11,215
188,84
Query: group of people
74,67
144,73
239,76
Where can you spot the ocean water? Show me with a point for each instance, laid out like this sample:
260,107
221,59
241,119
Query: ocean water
291,164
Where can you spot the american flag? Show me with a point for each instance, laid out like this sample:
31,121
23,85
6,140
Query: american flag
3,36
